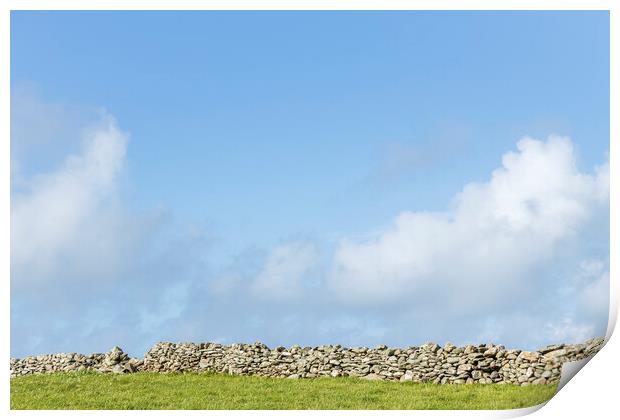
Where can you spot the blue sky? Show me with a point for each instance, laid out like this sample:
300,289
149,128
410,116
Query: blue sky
269,164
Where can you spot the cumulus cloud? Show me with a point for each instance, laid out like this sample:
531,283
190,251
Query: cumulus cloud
506,261
67,219
78,252
488,245
519,259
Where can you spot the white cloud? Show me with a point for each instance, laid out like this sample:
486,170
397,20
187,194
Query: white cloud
484,247
453,275
285,269
67,220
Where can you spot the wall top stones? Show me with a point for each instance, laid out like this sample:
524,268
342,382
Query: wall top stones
484,363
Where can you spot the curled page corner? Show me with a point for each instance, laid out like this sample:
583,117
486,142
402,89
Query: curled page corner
570,369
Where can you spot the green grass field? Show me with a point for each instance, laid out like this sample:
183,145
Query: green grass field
217,391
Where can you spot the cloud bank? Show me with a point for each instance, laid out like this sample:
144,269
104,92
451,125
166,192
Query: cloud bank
521,259
488,245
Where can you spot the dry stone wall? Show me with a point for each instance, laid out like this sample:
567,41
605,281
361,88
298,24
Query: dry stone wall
485,363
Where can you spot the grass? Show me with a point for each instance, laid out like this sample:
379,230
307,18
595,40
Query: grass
217,391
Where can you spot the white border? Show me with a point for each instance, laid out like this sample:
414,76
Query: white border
311,5
594,394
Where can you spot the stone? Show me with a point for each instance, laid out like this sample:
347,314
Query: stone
550,348
407,377
556,354
492,351
115,355
428,363
529,356
448,347
466,367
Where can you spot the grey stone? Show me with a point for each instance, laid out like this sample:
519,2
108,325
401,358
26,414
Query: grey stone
556,354
428,363
408,376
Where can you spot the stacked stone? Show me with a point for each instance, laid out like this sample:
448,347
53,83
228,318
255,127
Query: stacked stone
485,363
181,357
115,361
427,363
51,363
